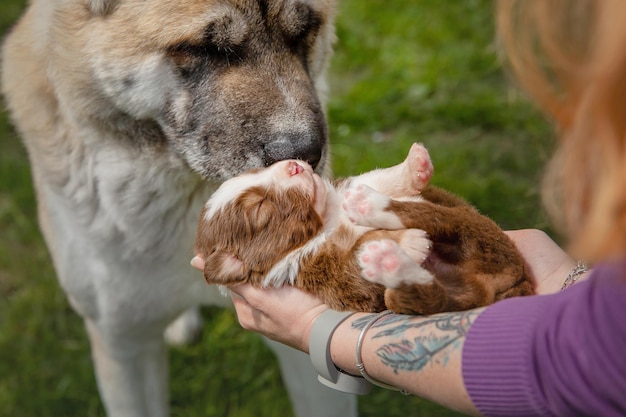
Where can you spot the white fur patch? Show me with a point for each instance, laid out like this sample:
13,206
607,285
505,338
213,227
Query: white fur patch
416,244
140,91
288,268
230,190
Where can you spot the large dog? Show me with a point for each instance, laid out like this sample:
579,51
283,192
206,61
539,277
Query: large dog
133,112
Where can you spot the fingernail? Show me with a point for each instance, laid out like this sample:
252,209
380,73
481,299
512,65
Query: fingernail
196,262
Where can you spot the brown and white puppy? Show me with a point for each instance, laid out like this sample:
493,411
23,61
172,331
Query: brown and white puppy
382,240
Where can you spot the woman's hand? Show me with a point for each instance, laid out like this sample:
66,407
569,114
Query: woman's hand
283,314
548,263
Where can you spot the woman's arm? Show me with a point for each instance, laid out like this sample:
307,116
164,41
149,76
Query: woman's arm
418,354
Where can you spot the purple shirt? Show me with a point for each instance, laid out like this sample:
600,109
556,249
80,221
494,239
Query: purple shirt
554,355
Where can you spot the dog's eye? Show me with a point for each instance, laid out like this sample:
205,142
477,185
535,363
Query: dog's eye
221,44
186,54
185,51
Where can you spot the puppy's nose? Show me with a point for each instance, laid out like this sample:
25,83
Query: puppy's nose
295,168
294,146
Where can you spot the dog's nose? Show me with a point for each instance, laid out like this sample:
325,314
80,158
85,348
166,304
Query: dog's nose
294,146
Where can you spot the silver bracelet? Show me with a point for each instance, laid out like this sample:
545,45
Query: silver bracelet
359,358
580,268
319,351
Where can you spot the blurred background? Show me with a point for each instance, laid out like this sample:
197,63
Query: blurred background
404,71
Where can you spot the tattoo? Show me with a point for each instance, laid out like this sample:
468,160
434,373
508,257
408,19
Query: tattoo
435,334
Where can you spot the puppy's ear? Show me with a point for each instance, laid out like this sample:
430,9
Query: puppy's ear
223,268
100,7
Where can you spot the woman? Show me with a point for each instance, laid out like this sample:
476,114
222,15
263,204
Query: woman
560,353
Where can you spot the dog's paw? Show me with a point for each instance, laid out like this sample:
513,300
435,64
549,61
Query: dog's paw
362,202
416,244
420,167
365,206
384,262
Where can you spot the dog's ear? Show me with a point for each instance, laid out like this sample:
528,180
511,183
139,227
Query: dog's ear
100,7
223,268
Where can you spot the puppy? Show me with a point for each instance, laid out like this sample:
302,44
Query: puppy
381,240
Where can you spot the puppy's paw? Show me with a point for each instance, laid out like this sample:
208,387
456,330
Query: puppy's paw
420,167
384,262
362,202
365,206
416,244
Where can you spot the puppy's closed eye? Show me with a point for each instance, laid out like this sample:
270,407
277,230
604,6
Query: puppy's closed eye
263,213
255,206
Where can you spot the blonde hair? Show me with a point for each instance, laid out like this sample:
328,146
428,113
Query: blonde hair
570,56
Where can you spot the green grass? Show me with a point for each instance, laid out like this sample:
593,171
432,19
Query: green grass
404,71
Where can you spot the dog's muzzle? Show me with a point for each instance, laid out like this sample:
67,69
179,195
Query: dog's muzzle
304,147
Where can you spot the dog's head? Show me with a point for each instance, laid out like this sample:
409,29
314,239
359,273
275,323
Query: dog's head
254,220
229,85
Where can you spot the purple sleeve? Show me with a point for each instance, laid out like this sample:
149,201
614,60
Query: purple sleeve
554,355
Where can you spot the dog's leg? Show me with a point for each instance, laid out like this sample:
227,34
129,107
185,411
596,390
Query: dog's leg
308,396
185,329
385,262
411,289
367,207
406,179
131,372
